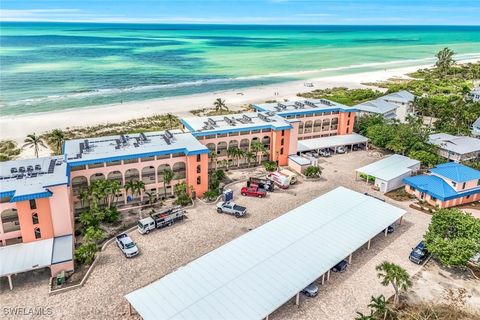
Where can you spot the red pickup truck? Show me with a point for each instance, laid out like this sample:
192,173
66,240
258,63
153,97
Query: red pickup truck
253,192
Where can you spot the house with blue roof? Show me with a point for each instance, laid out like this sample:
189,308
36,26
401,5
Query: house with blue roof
447,185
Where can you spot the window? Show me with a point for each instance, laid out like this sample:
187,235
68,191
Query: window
464,185
198,158
283,133
96,165
35,218
281,150
33,204
347,131
199,180
78,168
210,136
114,163
38,233
232,134
177,155
433,198
266,130
127,161
255,131
244,132
163,157
199,168
454,183
282,142
145,159
221,135
478,182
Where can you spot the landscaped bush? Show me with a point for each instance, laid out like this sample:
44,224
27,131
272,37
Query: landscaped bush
270,165
85,254
180,192
367,177
312,171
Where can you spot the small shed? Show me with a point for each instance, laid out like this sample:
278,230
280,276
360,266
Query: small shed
387,174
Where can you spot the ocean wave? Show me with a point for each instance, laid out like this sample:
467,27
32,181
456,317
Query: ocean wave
196,83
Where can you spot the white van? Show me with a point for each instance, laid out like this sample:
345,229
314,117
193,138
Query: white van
283,178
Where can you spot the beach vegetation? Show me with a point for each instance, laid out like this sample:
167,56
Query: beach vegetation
453,237
34,141
343,95
8,150
55,140
145,124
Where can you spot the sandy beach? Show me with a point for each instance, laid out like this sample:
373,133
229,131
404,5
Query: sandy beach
17,127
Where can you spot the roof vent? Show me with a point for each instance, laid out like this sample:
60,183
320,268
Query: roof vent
263,117
212,122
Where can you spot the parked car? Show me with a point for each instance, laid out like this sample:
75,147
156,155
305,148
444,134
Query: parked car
358,147
128,247
341,150
390,229
341,266
232,208
311,290
419,254
324,153
253,192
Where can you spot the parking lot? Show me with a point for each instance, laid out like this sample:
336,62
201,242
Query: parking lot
163,251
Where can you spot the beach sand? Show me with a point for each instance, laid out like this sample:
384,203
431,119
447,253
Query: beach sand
17,127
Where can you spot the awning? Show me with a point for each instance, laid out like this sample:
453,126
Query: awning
330,142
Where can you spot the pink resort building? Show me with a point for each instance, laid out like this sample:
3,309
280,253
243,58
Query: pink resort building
39,197
138,157
36,229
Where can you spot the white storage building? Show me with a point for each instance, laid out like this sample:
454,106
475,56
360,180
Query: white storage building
389,172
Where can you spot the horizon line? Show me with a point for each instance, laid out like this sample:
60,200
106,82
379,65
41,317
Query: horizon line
234,24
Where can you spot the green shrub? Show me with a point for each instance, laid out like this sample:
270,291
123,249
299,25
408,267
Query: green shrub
270,165
312,171
85,254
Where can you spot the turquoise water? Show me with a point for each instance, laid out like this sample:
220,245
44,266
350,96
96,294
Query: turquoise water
55,66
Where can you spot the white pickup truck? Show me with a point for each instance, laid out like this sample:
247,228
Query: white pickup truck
231,208
126,244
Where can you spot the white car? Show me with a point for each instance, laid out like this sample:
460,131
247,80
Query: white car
126,244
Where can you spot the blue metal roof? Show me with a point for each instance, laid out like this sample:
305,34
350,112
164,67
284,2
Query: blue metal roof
31,196
456,172
437,187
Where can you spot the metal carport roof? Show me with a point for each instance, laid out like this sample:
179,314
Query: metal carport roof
389,167
253,275
329,142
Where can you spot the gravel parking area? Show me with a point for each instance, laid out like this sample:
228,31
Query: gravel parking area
163,251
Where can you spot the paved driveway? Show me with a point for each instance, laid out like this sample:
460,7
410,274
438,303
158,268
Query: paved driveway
163,251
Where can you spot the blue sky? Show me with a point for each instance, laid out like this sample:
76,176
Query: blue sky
416,12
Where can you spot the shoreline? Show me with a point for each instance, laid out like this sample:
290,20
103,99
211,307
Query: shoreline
17,127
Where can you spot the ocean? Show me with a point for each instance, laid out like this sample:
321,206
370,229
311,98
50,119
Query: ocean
56,66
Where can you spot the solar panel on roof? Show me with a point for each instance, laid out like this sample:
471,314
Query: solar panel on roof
263,117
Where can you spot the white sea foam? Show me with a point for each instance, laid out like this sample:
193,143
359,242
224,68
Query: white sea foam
147,88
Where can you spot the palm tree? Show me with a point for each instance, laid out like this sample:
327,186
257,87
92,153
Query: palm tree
113,187
379,306
34,141
167,178
152,197
445,60
248,157
139,187
258,147
130,185
57,137
220,105
395,275
83,196
213,159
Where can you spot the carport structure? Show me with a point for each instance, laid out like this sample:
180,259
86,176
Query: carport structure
345,140
253,275
55,253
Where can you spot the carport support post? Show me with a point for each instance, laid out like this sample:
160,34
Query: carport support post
401,219
130,309
323,278
386,231
368,245
266,318
350,259
297,299
328,275
10,281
